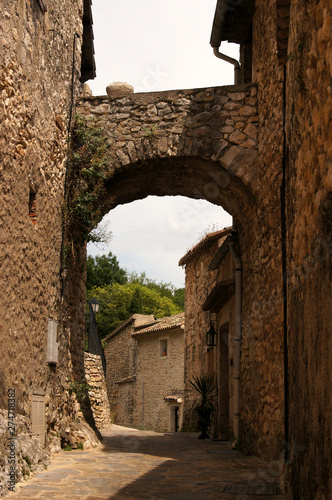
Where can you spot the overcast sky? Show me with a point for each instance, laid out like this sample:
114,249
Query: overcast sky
157,45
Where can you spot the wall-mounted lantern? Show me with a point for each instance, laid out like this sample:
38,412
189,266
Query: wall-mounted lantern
211,336
52,344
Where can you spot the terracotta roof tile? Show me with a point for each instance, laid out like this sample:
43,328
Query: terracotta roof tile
167,323
201,245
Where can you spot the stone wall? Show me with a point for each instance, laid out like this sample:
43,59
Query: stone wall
38,60
199,359
95,378
309,247
120,354
262,384
157,377
31,455
36,70
198,284
127,401
306,162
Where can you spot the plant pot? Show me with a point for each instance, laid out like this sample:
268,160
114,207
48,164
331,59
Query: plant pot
204,422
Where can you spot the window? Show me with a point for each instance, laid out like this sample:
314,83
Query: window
42,5
163,347
32,207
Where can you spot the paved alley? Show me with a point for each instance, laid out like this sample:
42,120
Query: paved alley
132,464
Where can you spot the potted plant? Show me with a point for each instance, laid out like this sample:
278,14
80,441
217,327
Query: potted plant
204,404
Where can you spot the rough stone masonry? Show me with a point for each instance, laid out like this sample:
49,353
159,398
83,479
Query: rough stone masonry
218,124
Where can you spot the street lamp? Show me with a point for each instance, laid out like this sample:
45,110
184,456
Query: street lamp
94,305
94,343
211,336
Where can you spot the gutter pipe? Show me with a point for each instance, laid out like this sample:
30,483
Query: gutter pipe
238,328
284,271
217,36
231,60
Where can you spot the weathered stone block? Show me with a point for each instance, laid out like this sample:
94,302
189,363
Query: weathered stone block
229,156
119,89
237,137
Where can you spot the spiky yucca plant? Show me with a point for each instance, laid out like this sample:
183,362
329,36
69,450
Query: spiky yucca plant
205,386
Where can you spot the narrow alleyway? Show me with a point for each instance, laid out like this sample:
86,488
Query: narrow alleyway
133,464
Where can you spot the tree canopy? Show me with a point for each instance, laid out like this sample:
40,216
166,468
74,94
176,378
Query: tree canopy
104,270
122,294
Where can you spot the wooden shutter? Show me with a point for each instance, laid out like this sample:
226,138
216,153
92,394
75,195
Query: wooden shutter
38,415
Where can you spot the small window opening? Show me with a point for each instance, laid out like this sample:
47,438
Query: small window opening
42,5
163,347
32,207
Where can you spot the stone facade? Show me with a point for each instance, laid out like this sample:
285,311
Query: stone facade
309,247
94,375
121,357
152,398
210,298
307,158
40,67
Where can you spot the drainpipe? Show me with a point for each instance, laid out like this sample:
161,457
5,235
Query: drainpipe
237,350
231,60
284,271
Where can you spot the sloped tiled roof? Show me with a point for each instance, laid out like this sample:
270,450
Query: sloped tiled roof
131,319
161,324
201,245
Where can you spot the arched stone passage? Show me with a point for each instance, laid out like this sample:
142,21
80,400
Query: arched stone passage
199,143
187,176
204,144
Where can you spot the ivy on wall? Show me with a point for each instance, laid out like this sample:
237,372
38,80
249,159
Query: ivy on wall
88,163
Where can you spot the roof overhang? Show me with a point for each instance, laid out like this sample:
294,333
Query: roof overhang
88,65
232,22
219,295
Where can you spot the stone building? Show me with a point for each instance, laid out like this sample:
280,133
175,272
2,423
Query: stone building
121,356
46,53
145,372
209,300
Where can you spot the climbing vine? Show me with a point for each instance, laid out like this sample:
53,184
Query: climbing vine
87,171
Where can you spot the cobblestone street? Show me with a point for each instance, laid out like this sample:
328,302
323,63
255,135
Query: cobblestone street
132,464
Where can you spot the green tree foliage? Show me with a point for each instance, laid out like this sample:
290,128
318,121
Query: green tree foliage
136,305
118,302
164,289
178,297
104,270
121,294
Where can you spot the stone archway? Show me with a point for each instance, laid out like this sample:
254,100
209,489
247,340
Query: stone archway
203,144
200,143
